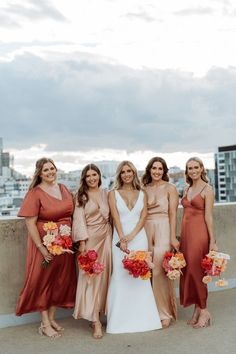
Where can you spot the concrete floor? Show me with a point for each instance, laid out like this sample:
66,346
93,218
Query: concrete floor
220,338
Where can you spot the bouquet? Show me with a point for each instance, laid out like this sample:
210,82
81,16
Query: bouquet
139,264
214,263
172,263
89,264
57,241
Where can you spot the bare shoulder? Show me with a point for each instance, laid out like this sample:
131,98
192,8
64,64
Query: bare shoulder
208,190
171,188
111,194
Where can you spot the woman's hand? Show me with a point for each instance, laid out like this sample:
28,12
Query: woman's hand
46,255
175,244
213,246
123,245
128,238
82,247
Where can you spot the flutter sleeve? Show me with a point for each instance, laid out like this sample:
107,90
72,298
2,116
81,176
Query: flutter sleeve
30,205
79,227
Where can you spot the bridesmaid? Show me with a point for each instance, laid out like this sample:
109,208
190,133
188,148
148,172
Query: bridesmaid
197,240
92,228
46,201
160,227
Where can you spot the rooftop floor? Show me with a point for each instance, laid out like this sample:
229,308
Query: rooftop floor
220,338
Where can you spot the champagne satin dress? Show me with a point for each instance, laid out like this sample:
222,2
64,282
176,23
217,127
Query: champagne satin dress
55,285
92,224
157,227
194,245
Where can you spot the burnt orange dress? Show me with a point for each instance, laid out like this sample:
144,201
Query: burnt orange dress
194,245
55,285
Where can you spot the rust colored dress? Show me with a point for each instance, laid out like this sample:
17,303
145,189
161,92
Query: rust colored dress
55,285
194,245
157,227
92,223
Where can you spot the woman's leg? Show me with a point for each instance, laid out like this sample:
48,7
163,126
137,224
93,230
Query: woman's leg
46,327
51,315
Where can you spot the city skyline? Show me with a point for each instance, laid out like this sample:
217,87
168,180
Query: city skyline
87,80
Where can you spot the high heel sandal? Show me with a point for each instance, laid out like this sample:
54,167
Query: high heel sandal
97,334
194,319
41,331
203,321
56,326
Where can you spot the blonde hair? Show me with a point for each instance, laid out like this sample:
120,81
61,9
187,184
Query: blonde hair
38,169
118,181
203,174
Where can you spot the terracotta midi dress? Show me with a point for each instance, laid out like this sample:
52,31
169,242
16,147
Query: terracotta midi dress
55,285
194,245
157,227
92,223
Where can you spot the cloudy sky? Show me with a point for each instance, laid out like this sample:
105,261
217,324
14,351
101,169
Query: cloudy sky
88,80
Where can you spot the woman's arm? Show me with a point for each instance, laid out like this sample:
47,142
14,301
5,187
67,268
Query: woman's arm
209,204
116,220
173,198
141,222
34,234
79,228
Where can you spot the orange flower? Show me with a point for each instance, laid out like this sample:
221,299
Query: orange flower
221,283
48,226
55,250
140,255
146,276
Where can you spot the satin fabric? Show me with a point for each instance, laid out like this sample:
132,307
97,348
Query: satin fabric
92,224
55,285
157,227
194,245
131,303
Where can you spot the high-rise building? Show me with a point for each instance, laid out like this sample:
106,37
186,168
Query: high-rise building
4,158
225,168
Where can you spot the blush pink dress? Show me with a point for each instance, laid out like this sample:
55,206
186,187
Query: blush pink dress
92,223
157,227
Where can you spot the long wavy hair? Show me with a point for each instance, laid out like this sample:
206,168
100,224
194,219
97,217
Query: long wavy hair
36,179
82,193
147,178
118,183
203,174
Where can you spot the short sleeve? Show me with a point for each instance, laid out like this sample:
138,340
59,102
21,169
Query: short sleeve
30,205
79,227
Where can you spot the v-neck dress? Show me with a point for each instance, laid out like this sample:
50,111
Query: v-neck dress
56,284
157,227
92,223
194,245
131,303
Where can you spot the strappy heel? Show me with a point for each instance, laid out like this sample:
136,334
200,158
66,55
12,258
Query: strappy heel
41,331
203,321
56,326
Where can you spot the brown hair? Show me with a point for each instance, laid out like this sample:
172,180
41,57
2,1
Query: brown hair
38,169
146,178
203,174
118,183
82,193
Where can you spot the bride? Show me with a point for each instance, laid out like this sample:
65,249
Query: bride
131,306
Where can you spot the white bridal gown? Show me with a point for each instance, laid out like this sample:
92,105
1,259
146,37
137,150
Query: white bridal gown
131,306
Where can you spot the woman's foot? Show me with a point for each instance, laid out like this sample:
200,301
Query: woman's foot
97,330
204,319
193,320
165,323
48,331
56,326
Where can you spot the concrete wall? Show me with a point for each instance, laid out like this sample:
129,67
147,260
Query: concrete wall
13,249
